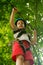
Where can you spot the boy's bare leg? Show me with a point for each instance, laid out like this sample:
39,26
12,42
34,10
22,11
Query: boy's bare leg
19,60
26,63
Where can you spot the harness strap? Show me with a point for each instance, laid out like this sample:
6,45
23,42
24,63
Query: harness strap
22,46
27,49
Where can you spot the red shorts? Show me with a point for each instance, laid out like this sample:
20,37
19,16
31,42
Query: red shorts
17,50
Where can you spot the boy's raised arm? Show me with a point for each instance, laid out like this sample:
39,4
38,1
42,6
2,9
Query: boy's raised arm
34,39
13,26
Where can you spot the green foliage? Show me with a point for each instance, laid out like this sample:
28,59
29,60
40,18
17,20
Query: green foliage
31,10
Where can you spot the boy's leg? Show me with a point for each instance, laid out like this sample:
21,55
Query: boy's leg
19,60
26,63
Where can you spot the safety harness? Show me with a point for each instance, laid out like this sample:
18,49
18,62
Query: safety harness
23,47
22,31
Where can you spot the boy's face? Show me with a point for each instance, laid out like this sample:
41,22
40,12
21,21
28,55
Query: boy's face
20,24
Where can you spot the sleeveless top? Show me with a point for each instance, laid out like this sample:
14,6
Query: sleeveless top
21,35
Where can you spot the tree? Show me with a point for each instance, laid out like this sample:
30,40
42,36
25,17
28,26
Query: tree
32,12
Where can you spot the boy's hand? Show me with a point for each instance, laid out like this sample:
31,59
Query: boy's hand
15,10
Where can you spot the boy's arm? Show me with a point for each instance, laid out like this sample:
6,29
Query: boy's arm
34,39
13,26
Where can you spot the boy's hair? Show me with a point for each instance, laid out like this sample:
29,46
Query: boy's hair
22,20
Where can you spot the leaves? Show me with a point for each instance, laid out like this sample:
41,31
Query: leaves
31,11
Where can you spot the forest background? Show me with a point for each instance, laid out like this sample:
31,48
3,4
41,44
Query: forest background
32,12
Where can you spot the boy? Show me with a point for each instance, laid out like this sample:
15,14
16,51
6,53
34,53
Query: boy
21,47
